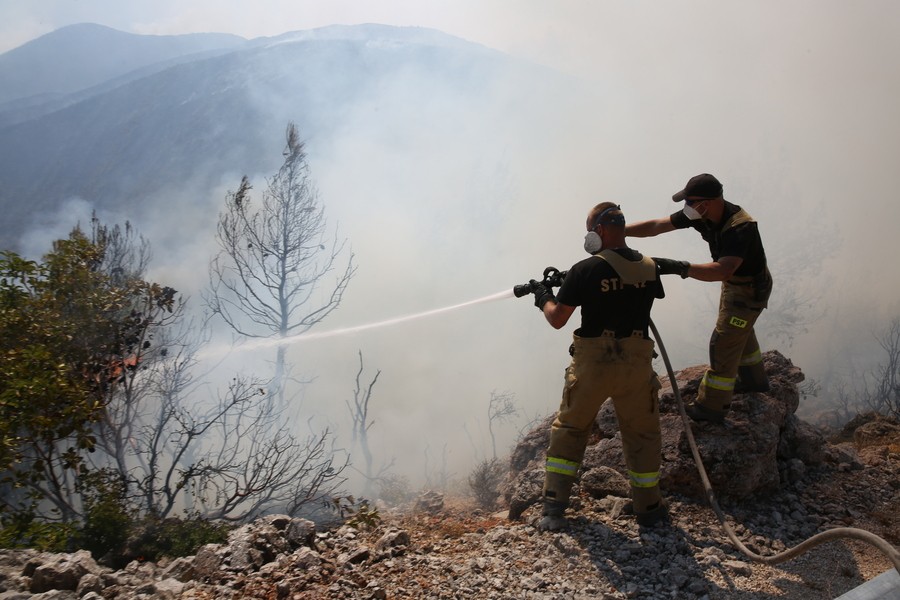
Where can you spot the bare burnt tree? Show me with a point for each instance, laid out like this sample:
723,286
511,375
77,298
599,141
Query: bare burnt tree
126,253
252,462
230,458
269,278
881,391
160,439
501,408
436,478
845,405
471,438
359,414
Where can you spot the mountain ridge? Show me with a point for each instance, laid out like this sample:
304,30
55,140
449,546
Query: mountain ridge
154,132
79,56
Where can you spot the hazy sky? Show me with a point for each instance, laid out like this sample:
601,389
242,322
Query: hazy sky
575,35
532,28
793,104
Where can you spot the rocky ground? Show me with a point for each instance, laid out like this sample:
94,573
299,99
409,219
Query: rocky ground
446,548
458,552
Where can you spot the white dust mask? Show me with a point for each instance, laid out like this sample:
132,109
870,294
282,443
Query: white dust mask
691,213
593,243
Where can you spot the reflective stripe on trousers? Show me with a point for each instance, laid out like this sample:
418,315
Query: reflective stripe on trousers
562,466
751,359
718,383
644,480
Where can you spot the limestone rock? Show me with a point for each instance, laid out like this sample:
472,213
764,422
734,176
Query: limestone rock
741,458
63,572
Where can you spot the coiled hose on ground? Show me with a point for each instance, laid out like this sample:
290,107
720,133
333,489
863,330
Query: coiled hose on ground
804,546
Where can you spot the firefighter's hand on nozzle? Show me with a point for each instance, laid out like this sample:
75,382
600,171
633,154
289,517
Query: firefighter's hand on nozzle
668,266
542,294
553,277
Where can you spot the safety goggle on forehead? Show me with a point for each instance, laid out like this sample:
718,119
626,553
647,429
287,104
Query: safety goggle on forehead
609,220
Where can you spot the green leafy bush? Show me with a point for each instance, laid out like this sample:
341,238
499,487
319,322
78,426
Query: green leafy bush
107,519
22,530
152,538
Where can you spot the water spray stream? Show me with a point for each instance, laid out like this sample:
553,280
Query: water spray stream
302,337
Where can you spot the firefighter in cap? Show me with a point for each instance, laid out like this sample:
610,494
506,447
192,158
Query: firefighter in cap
739,262
611,358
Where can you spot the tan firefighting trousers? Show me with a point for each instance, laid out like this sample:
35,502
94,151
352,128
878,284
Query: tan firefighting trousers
601,368
733,347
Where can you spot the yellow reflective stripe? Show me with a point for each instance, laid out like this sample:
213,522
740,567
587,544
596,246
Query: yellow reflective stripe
751,359
644,480
718,383
562,466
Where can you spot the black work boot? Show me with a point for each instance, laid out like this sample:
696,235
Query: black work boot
740,387
654,515
751,379
698,412
552,518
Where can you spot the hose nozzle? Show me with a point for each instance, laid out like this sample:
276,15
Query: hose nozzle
553,277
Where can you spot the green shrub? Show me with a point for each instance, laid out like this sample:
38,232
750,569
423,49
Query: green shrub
23,531
110,530
107,519
173,537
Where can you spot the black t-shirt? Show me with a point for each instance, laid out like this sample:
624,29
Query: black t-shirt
607,303
742,240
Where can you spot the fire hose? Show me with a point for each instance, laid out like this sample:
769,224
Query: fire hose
820,538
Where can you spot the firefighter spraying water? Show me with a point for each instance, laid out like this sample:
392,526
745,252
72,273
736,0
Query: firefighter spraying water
611,356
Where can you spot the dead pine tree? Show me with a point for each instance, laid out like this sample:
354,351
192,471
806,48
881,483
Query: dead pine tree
359,414
271,275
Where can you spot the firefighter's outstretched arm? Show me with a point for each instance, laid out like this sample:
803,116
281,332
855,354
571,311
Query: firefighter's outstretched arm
719,270
649,228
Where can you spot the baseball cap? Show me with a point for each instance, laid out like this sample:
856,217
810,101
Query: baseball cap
702,186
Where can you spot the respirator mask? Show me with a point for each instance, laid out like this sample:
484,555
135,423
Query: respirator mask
593,242
690,212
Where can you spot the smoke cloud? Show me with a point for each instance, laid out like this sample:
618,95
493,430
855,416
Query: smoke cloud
792,106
